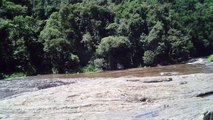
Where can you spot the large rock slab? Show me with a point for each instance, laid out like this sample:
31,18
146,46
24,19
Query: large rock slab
173,97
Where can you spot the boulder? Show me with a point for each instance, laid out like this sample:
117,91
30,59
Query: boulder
208,116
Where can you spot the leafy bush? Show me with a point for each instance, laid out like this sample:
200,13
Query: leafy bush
149,57
11,76
100,64
180,45
112,49
112,43
211,58
88,68
74,58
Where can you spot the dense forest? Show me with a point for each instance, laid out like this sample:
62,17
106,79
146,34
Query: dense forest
65,36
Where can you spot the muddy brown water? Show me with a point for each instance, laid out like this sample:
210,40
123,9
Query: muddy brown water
195,66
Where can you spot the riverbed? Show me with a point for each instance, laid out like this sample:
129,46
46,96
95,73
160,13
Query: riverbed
177,92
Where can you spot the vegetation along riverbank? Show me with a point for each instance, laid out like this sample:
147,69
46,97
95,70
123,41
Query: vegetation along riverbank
65,36
211,58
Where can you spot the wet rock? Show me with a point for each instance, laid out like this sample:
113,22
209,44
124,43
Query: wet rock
52,84
133,80
158,80
166,106
208,116
152,80
138,99
205,94
144,100
14,87
183,83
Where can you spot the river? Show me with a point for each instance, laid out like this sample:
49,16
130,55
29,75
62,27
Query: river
199,65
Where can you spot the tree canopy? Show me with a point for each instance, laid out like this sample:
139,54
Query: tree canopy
60,36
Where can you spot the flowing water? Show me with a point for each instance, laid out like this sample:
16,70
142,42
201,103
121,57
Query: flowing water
200,65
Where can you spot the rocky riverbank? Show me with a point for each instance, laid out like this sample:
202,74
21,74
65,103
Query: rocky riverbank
184,97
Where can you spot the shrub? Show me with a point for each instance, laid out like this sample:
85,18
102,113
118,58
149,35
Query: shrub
100,64
74,58
11,76
88,68
149,57
112,48
211,58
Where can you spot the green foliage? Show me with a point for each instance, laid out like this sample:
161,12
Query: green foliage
113,49
154,44
111,44
11,76
74,58
210,58
20,35
3,23
10,9
89,68
56,46
197,19
100,64
58,36
180,46
154,37
149,57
